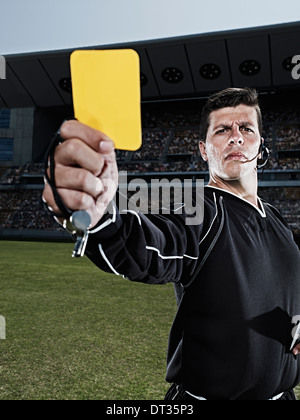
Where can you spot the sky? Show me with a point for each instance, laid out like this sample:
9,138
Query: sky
46,25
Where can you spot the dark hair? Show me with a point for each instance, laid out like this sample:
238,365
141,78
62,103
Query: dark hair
230,97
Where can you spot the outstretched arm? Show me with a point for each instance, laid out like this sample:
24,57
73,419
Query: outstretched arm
152,248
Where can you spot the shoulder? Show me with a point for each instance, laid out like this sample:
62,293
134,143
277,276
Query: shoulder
273,211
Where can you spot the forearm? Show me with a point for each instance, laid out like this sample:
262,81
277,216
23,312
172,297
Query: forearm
151,249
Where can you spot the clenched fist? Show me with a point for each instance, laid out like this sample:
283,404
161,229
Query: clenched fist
86,171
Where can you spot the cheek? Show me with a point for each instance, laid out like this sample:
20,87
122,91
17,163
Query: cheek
214,155
253,151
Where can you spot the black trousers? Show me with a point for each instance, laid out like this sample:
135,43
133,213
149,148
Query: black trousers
177,393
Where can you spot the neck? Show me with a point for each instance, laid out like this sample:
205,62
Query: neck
246,189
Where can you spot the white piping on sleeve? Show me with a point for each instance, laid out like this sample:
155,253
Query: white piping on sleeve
106,223
215,200
170,257
149,248
135,214
107,260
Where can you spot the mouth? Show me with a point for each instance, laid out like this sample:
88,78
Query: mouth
236,156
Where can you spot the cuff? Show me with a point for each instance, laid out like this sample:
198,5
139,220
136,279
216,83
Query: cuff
109,224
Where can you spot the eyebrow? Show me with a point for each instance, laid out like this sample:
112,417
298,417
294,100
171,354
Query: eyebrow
240,123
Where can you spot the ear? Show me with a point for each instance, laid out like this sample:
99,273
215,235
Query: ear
202,147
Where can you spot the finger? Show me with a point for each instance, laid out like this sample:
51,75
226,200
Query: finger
296,350
74,152
78,179
74,200
95,139
49,200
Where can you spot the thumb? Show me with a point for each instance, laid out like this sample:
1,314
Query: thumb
97,140
296,350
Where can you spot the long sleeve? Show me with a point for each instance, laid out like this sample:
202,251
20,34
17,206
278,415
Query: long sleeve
145,248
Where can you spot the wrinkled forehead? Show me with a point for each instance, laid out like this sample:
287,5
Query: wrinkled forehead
241,115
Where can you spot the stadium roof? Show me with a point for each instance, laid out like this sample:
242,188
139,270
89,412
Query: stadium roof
181,67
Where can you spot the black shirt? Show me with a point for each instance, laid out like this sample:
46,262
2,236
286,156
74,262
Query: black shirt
240,270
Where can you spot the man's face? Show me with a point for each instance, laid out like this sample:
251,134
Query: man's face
232,140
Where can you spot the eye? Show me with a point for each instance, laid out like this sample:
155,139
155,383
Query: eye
247,129
222,131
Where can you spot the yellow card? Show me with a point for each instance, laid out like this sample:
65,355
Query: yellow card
107,94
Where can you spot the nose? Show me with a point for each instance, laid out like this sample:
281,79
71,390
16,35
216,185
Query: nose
239,141
236,137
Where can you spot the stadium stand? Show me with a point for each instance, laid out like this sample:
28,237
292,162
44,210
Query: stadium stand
170,148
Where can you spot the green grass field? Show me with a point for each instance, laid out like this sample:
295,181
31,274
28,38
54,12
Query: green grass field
74,332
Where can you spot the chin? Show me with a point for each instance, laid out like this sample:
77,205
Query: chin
231,175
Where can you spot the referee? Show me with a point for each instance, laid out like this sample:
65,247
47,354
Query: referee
239,270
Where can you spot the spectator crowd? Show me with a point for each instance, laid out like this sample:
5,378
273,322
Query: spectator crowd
170,144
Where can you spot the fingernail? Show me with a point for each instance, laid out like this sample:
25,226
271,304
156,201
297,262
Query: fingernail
106,146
